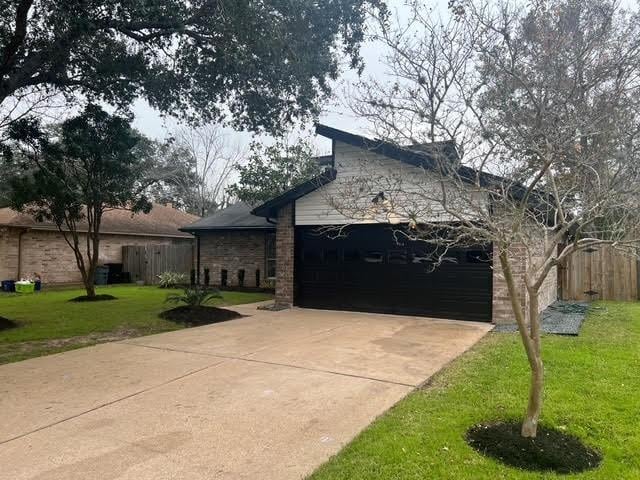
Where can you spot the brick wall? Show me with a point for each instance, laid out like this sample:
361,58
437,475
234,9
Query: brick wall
233,251
8,253
502,310
285,256
48,254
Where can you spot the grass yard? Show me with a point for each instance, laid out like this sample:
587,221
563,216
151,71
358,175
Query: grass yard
593,392
49,323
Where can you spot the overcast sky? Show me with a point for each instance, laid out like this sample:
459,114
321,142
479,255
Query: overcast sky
334,114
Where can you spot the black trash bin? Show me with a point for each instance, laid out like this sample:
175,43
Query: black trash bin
115,272
8,285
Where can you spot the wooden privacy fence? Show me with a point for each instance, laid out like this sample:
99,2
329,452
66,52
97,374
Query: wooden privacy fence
149,261
600,273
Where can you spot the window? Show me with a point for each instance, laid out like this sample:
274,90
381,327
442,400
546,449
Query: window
421,257
397,257
373,257
477,256
270,256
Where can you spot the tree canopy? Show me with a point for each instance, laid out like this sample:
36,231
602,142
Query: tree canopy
264,63
71,176
272,170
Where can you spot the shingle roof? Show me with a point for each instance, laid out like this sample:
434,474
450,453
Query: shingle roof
161,221
235,217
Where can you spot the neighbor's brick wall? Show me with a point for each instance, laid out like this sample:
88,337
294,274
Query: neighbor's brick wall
48,254
233,251
8,253
502,310
285,256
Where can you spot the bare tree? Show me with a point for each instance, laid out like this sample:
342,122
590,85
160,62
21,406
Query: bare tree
525,120
31,102
213,159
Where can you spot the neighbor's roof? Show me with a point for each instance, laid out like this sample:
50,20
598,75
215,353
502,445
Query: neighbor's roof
235,217
161,221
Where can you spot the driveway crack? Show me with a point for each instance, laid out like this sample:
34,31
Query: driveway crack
243,358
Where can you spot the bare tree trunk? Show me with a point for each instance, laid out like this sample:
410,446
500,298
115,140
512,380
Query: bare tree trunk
530,424
531,341
532,416
90,287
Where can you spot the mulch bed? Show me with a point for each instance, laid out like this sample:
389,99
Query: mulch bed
551,450
196,316
6,324
97,298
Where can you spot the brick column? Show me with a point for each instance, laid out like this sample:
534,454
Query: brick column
284,256
502,310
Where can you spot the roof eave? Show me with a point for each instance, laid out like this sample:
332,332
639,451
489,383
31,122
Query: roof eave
225,228
383,147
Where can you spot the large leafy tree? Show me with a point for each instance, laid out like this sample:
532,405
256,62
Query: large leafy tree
265,62
272,170
91,163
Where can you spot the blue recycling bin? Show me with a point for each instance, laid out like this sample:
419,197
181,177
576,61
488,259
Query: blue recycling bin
101,276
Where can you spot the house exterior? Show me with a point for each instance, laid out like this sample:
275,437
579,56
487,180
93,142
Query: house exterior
236,248
366,268
28,247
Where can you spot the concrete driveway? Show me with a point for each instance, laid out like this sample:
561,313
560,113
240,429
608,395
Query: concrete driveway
268,396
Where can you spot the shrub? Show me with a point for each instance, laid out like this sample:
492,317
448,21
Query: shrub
171,279
194,296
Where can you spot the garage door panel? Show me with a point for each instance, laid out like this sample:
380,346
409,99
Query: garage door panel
369,271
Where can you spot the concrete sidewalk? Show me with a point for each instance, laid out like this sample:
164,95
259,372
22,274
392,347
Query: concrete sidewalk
268,396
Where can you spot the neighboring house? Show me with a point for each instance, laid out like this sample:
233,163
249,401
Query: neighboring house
28,246
365,270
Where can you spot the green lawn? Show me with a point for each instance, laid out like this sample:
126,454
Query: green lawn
593,391
49,323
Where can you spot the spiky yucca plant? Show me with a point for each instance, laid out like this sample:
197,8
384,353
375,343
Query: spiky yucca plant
194,296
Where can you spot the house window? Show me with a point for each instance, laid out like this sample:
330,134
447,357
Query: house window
270,256
477,256
373,257
397,257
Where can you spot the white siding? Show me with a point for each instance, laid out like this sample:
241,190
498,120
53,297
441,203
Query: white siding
384,174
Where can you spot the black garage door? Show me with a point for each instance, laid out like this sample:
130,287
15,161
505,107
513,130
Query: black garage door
368,270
